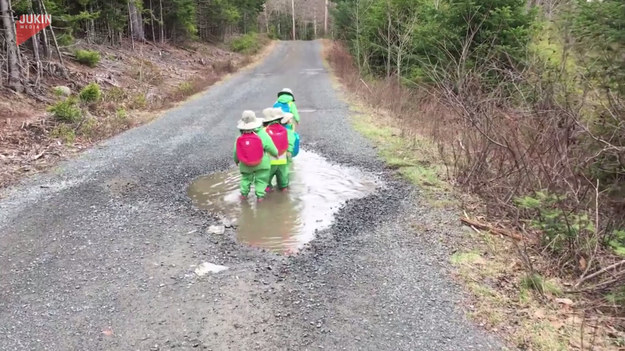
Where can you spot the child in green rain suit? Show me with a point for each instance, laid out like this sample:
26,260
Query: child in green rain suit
255,171
286,101
280,164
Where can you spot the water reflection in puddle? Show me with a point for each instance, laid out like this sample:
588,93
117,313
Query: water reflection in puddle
284,221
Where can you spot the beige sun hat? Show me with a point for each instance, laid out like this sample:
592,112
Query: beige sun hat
267,113
249,121
271,114
286,116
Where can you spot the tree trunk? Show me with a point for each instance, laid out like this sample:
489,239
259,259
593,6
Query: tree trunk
152,21
358,36
91,25
42,6
35,40
399,58
136,21
293,16
266,18
44,37
315,23
45,44
325,19
8,23
162,22
131,25
388,41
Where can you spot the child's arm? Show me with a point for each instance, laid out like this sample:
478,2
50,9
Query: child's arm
293,109
291,136
236,159
268,144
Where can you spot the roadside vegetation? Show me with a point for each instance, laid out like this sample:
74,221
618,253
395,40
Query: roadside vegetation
104,67
524,109
249,43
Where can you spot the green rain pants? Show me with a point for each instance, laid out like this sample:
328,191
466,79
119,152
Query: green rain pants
281,172
260,179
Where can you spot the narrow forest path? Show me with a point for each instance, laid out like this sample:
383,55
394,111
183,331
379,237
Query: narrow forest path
96,254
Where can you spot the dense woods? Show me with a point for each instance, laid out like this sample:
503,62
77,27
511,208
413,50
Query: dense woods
526,103
147,21
111,22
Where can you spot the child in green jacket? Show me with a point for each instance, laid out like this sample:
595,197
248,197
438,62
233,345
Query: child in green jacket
286,101
280,165
252,152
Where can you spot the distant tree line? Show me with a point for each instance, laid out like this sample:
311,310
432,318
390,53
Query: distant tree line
110,22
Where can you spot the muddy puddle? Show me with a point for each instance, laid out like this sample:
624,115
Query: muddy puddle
285,221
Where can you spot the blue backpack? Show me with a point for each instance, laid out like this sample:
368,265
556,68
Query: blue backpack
284,106
295,145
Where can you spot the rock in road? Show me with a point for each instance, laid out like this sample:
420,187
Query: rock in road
99,254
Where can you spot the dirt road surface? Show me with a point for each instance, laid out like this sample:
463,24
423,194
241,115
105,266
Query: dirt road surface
98,253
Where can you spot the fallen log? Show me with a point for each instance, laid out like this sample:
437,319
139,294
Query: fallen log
490,228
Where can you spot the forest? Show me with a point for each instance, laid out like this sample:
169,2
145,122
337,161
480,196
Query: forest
524,101
156,21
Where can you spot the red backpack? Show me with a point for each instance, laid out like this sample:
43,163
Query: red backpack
279,136
250,149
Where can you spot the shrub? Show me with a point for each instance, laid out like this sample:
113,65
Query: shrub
121,118
90,93
121,113
559,227
139,101
65,39
64,132
115,94
185,88
57,92
66,110
88,57
89,127
617,243
248,43
537,282
617,297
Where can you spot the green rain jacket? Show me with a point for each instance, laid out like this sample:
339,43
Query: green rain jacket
291,137
288,99
268,146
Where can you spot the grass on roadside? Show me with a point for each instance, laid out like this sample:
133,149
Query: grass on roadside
414,157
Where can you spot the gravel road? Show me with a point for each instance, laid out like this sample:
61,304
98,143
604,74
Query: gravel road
97,254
